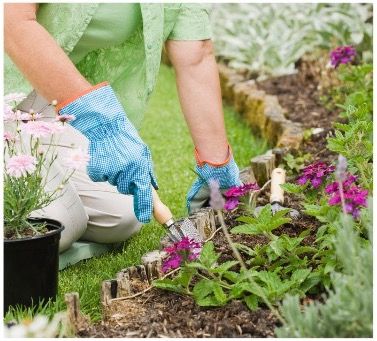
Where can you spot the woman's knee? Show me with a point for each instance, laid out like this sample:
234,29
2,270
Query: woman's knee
113,228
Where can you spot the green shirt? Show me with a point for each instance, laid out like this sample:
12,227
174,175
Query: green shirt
131,67
112,24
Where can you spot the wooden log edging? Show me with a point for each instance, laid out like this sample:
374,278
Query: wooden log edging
261,111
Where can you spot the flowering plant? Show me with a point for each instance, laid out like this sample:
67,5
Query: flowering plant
27,162
342,55
186,250
235,193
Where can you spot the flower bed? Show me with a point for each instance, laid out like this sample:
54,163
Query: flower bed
301,257
235,288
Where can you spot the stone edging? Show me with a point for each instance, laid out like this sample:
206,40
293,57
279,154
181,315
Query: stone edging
264,115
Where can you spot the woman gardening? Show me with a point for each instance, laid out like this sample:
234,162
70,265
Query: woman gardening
100,63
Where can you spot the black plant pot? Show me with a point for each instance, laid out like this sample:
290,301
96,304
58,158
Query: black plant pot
31,267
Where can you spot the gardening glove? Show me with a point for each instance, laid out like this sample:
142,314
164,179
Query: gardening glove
117,153
226,173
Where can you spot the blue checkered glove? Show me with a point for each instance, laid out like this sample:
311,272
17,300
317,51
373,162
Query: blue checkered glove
117,153
227,174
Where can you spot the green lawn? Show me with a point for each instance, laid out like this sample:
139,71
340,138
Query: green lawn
164,130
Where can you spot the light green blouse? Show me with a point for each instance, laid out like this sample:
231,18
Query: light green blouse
130,66
111,25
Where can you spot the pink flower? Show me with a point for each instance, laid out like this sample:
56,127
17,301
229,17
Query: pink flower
315,173
240,191
9,137
342,55
234,193
76,159
14,97
41,128
20,165
354,196
231,203
65,118
186,249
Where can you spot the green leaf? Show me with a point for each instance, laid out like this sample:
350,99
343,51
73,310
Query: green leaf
167,284
304,249
246,229
245,249
292,188
300,275
251,302
219,293
224,267
202,289
209,293
208,255
231,276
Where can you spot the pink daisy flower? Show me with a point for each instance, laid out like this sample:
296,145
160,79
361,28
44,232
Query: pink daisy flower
9,137
20,165
66,118
41,128
76,159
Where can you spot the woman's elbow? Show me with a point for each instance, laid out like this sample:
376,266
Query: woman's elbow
189,53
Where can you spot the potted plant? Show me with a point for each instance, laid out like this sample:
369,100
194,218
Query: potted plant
31,245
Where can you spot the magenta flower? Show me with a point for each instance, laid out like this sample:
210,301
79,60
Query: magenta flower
41,128
342,55
216,201
315,173
354,196
66,118
185,250
76,159
20,165
234,193
231,203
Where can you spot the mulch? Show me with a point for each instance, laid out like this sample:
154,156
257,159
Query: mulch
159,313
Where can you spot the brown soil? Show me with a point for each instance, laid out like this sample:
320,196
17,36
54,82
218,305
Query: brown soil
164,314
299,95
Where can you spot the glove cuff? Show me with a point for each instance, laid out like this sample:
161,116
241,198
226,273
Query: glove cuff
201,162
64,103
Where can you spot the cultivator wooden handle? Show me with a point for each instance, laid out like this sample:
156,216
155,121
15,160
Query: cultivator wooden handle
161,212
277,178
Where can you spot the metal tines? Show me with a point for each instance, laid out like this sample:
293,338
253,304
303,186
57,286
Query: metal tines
178,230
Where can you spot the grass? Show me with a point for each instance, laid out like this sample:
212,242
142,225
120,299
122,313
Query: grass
165,131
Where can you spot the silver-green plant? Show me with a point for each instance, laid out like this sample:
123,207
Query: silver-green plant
348,309
267,39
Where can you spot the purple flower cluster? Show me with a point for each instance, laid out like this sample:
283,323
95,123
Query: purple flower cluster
342,55
186,249
315,173
233,194
354,196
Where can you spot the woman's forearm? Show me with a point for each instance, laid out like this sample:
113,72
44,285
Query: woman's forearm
200,96
38,56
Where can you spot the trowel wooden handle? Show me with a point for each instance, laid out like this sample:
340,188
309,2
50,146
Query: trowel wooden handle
277,178
161,212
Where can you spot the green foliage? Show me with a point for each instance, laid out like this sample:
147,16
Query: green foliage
348,309
267,39
294,163
265,223
354,139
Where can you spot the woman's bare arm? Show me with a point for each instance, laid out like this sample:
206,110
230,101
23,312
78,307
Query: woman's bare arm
38,56
200,96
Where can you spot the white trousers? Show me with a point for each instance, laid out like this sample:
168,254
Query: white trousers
92,211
